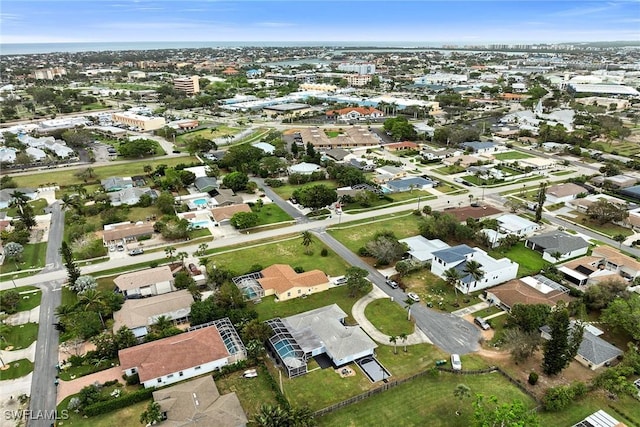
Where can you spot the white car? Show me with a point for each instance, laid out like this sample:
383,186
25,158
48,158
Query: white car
456,363
413,297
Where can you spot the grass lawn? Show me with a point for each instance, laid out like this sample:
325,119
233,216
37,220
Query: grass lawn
287,190
427,400
405,196
355,237
19,368
288,251
66,177
447,188
402,364
69,297
435,292
511,155
34,256
29,300
270,214
269,308
582,408
560,173
252,392
477,181
129,416
80,371
199,232
331,133
607,229
450,170
37,205
19,336
93,106
389,318
487,312
530,261
210,133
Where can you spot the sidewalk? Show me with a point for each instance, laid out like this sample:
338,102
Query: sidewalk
25,353
471,309
418,337
67,388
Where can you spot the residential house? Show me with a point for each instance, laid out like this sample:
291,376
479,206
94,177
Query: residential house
362,164
6,198
116,183
337,154
206,184
283,282
322,331
617,182
224,213
430,154
266,147
479,147
465,160
599,419
528,290
421,250
7,154
562,193
410,184
201,350
36,154
594,352
457,257
514,224
604,264
199,403
145,283
225,197
131,196
304,168
388,173
355,113
402,146
126,232
558,243
139,315
582,204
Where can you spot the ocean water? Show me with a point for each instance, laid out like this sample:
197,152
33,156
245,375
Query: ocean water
33,48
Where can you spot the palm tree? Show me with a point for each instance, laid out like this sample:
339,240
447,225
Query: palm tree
461,392
474,269
556,255
182,256
452,277
169,251
307,241
409,303
18,199
619,238
161,324
394,339
92,300
272,416
404,337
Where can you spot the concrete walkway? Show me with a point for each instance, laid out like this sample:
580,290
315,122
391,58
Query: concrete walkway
471,309
23,317
25,353
495,315
67,388
418,337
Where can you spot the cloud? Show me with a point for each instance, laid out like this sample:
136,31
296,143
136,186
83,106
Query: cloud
586,10
6,18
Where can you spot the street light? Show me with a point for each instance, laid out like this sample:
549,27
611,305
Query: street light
419,202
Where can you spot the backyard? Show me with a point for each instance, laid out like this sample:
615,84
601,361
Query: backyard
511,155
530,262
607,229
357,235
435,292
129,416
252,392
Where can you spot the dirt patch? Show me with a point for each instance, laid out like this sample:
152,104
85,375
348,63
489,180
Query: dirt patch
479,212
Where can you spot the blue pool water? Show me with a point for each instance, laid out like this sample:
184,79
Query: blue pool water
283,348
200,224
200,202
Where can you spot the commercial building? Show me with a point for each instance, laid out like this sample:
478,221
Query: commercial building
189,85
142,123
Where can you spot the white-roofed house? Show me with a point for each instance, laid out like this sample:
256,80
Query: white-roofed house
7,154
304,168
511,224
37,154
421,249
266,147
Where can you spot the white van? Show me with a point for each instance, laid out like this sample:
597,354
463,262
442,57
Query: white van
456,363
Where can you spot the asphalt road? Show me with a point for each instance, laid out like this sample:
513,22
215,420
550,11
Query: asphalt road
283,204
447,331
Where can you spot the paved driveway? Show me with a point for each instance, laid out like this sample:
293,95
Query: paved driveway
67,388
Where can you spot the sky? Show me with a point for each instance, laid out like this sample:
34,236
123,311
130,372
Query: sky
461,22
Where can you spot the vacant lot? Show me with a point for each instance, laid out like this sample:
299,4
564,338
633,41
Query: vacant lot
607,229
355,237
511,155
129,416
252,392
287,190
270,214
215,132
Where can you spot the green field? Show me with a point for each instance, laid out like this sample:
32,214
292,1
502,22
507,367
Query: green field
450,170
389,318
511,155
355,237
252,392
270,214
529,261
288,251
19,368
287,190
426,401
66,177
34,256
215,132
37,205
19,336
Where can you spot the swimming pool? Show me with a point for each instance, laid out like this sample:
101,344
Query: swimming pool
284,349
199,202
200,224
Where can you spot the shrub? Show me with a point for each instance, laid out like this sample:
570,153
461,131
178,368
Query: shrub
75,360
153,264
110,383
119,402
324,252
363,252
132,379
298,269
255,268
533,378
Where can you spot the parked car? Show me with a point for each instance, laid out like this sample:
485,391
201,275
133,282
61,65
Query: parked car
341,281
413,297
194,269
456,363
482,323
392,284
138,251
120,247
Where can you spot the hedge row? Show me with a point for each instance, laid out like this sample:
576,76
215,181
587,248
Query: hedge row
119,402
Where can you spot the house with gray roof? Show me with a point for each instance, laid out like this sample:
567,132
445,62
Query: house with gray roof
409,184
362,164
205,184
131,196
116,183
304,168
337,154
36,154
494,271
480,147
557,243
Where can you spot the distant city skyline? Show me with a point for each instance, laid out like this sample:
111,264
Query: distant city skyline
461,22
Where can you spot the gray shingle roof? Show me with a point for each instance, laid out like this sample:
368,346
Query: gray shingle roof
456,253
559,242
596,350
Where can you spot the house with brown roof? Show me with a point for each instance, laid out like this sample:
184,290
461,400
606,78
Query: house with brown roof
139,315
225,213
604,264
402,146
528,290
145,283
199,351
226,197
126,232
562,193
355,113
282,281
199,403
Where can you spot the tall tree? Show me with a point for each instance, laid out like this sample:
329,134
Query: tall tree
357,282
541,198
152,414
307,241
73,271
474,269
452,277
393,339
564,343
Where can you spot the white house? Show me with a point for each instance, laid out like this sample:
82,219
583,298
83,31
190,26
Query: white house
266,147
304,168
457,257
421,249
199,351
36,154
562,193
145,283
557,243
7,154
514,224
